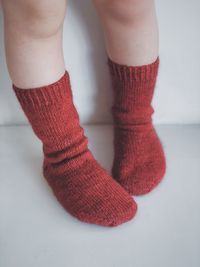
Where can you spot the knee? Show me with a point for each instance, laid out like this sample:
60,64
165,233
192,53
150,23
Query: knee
39,18
125,10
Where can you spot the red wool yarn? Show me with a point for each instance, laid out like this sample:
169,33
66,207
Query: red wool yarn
83,188
139,161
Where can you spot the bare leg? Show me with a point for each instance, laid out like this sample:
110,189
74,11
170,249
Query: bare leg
33,41
131,30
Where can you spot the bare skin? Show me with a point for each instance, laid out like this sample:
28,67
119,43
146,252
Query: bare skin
33,36
130,29
33,41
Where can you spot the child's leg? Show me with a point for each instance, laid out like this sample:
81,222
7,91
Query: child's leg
131,31
33,41
131,36
33,30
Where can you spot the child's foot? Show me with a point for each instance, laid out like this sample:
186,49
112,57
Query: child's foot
139,162
83,188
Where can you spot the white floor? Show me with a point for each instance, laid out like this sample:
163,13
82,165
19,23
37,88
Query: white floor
36,232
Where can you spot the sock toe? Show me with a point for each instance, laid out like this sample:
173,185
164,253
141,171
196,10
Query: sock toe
143,181
113,217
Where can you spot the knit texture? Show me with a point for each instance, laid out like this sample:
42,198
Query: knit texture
83,188
139,161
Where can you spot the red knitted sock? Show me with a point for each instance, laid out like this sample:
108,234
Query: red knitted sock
139,162
84,189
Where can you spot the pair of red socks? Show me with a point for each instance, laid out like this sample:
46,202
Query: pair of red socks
80,184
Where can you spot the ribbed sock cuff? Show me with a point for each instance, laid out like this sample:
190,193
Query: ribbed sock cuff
44,95
134,73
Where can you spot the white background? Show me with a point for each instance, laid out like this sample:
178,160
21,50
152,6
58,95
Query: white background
177,94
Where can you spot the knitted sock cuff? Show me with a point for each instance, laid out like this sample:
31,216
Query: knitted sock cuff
134,73
44,95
